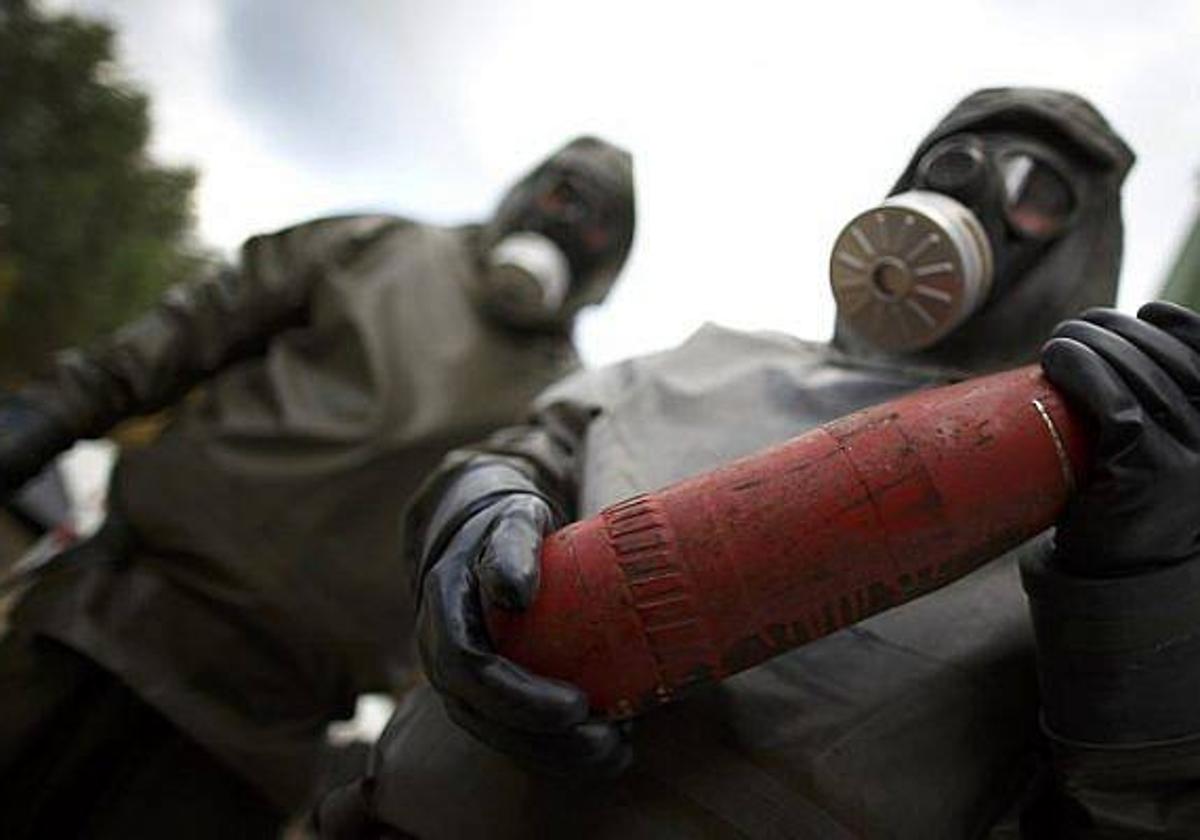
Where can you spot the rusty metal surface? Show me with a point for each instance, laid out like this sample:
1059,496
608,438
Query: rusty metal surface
714,574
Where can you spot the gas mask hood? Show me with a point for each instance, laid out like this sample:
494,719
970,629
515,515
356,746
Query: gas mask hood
1006,221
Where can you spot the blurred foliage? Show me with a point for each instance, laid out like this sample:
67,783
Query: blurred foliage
1183,282
91,230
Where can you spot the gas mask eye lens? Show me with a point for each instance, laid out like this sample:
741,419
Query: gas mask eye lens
563,199
956,167
1038,201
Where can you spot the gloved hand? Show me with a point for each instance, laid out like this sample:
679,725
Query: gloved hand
1138,379
482,546
29,439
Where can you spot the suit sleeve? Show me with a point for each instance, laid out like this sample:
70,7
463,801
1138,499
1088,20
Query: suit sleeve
1119,667
198,328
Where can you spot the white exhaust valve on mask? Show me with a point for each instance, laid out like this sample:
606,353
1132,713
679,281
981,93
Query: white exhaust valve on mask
908,272
530,276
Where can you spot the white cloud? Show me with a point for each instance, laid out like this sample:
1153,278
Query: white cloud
758,128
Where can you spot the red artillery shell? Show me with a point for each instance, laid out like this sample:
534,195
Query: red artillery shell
724,570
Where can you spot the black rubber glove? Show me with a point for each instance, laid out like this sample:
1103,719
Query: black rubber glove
1116,606
483,545
29,439
1138,379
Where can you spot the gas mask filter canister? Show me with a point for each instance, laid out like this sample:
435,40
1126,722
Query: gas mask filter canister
907,273
529,277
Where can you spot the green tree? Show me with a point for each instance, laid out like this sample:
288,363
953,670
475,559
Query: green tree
1183,280
91,230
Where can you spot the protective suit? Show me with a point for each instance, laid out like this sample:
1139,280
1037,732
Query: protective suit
921,722
246,583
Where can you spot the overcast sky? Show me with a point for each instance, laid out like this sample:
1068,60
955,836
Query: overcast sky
758,129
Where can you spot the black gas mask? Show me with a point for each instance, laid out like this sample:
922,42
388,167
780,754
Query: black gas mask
981,210
560,228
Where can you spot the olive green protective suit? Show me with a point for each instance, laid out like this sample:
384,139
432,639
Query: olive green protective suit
246,585
921,722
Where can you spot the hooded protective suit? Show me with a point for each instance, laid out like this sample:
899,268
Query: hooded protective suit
920,722
246,584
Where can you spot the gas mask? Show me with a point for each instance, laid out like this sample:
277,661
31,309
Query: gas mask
981,210
529,277
557,231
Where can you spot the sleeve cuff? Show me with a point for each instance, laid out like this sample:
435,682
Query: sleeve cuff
1118,658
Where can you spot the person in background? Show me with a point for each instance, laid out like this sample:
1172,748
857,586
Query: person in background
925,721
174,674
